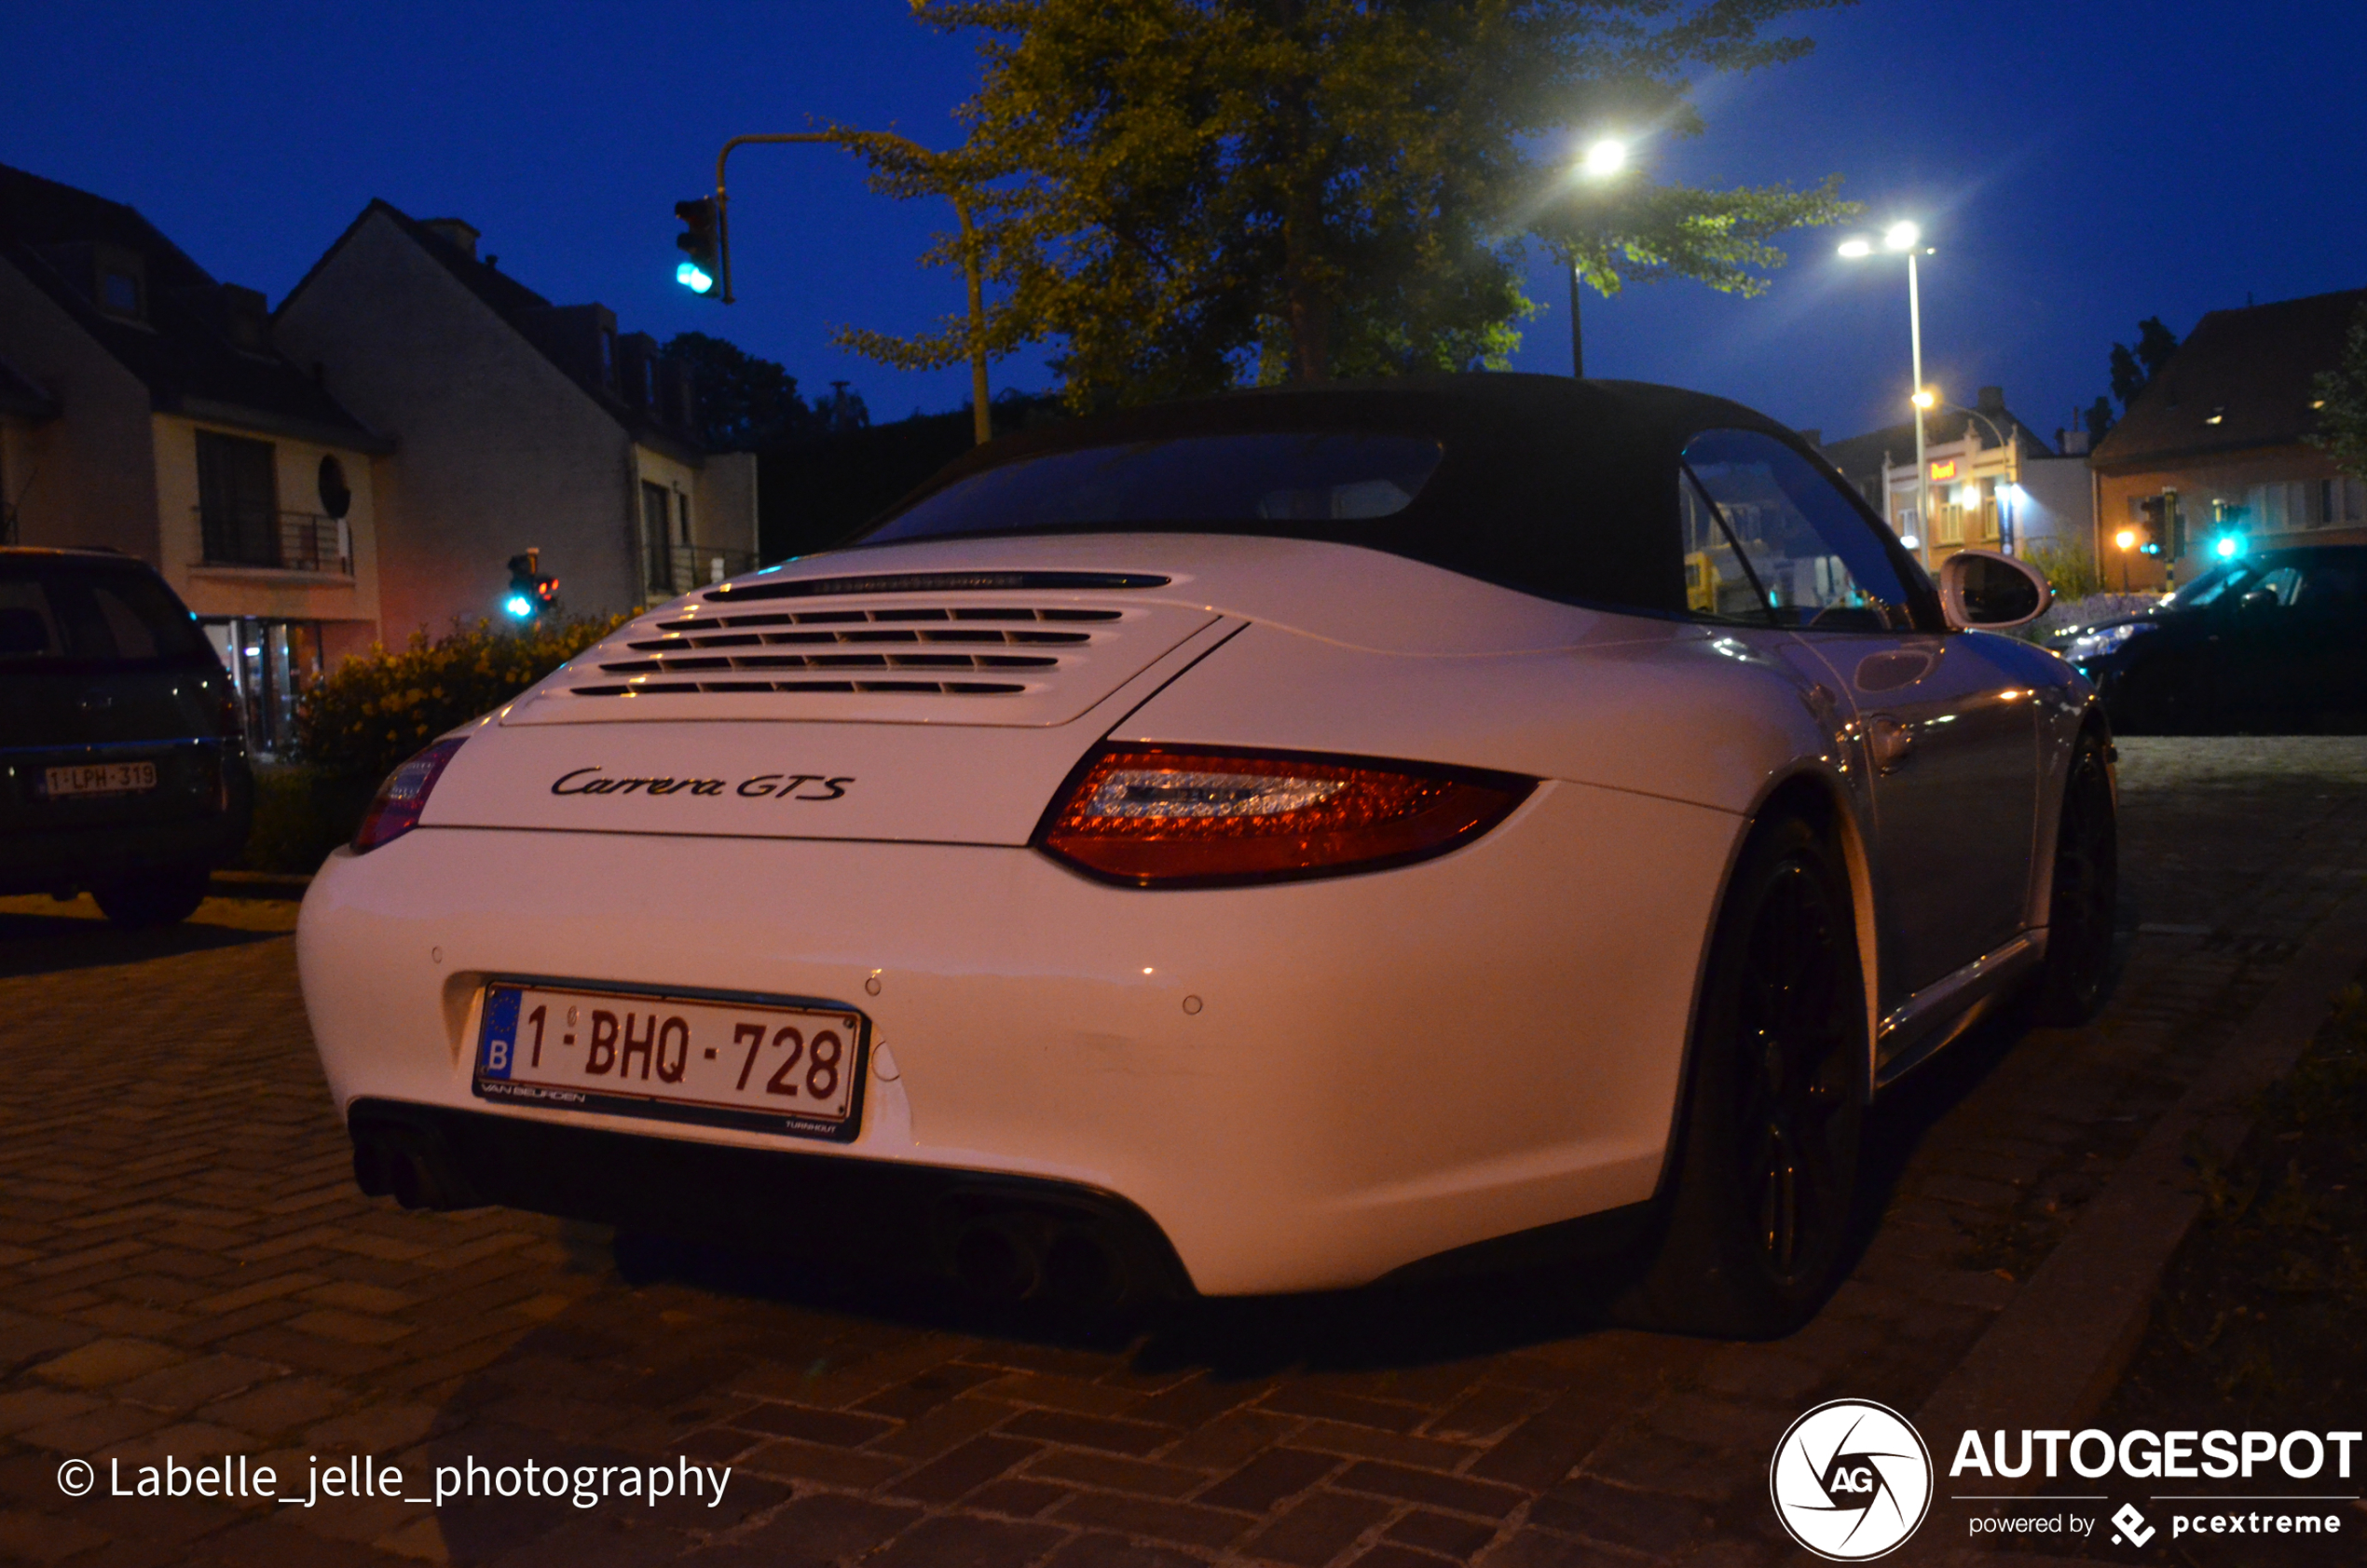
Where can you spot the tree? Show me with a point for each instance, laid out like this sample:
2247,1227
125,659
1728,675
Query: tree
2342,411
2134,369
2098,420
1190,193
744,404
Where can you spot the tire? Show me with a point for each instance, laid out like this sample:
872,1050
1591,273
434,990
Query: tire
154,898
2085,891
1766,1165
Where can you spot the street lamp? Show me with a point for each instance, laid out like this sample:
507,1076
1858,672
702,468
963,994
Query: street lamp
2127,539
1905,238
1604,159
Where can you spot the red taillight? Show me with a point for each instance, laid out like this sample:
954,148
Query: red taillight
1158,816
394,810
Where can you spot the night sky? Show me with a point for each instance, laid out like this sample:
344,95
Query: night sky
2079,166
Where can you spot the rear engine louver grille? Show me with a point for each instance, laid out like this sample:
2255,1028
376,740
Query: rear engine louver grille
956,651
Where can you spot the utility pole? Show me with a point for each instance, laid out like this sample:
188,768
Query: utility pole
1577,336
1922,467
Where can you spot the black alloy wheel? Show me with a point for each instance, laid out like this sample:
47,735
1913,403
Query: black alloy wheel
1791,1019
2086,895
1766,1172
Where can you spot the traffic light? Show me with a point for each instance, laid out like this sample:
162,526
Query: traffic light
702,242
2152,524
530,592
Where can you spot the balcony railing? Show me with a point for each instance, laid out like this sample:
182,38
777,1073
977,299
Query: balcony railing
694,566
288,541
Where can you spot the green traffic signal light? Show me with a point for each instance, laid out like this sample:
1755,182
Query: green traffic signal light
530,592
701,241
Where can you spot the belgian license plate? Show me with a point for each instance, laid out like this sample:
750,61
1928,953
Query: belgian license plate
100,778
766,1067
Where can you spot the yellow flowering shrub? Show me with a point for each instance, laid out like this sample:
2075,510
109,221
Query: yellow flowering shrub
375,710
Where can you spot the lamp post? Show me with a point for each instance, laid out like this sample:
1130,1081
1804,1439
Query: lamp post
1905,238
1601,161
981,425
2127,539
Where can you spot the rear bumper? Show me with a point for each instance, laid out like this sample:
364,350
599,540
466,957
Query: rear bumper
1002,1235
200,815
1299,1086
75,859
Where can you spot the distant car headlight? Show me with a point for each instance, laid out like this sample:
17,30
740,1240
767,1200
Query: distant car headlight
2104,640
1176,817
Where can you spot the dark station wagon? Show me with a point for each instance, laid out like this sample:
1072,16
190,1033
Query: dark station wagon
123,769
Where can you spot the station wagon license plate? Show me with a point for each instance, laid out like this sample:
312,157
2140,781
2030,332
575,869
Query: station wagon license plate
100,778
764,1067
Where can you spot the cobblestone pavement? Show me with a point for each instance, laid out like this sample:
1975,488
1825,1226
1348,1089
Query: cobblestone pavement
186,1268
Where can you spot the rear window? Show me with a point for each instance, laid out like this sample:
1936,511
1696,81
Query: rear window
111,616
1560,489
1232,482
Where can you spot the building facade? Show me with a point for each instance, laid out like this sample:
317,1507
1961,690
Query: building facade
1995,483
2215,448
520,425
144,408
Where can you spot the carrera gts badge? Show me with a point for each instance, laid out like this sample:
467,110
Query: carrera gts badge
780,786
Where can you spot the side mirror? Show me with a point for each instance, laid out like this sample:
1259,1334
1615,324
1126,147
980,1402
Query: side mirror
1981,588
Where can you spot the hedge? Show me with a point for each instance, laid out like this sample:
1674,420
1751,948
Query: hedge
362,720
359,723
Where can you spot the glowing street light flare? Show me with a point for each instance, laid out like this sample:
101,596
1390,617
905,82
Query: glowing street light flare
1857,249
1927,399
2126,539
1603,159
1901,237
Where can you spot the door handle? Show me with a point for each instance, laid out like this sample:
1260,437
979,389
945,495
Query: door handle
1889,743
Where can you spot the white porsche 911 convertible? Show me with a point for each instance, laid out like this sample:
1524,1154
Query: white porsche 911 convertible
1253,845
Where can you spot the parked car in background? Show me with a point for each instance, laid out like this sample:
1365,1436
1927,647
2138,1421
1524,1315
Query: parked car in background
2263,644
1250,845
123,767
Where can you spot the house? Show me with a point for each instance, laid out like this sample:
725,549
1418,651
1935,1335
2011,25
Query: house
144,408
520,423
2214,447
1995,483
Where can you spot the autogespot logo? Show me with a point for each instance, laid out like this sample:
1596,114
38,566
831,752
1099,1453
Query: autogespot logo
1851,1480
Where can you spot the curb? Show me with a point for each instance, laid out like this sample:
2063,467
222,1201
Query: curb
2056,1351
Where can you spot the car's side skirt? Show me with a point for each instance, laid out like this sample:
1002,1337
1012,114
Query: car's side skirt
1919,1028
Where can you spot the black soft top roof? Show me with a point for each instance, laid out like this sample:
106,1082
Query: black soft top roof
1555,486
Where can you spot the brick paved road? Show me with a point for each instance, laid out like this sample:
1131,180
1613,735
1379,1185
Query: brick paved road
186,1268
